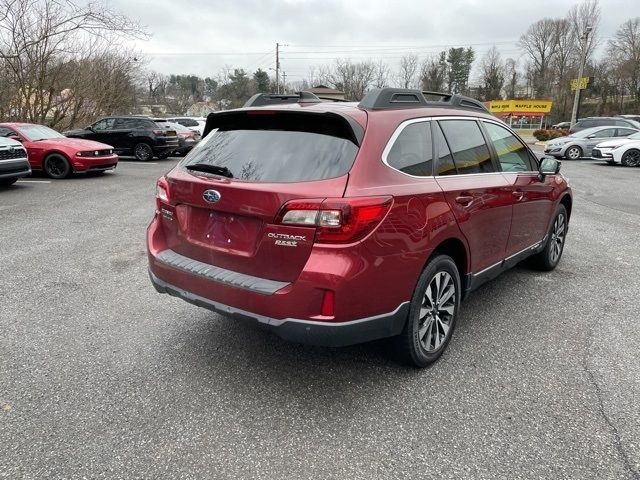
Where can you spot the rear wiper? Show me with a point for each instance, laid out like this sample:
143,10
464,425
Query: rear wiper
205,167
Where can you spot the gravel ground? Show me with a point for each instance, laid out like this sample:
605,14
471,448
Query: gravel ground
101,377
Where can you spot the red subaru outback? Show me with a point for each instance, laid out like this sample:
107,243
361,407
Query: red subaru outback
340,223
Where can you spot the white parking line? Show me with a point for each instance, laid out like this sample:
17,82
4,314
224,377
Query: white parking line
136,163
34,181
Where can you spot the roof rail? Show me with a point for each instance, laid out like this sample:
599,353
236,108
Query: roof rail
395,98
262,99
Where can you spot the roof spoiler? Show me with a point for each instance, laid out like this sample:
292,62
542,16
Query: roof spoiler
396,98
263,99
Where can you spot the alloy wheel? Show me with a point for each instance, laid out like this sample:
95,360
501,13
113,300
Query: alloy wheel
437,311
557,237
143,152
573,153
631,158
56,167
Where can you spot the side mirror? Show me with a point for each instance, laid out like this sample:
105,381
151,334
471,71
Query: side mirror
591,136
90,128
549,166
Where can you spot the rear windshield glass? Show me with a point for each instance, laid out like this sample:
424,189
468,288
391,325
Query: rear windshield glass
270,150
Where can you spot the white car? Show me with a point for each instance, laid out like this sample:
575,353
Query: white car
13,161
195,124
620,150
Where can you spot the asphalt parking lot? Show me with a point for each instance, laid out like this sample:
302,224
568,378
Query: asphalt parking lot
101,377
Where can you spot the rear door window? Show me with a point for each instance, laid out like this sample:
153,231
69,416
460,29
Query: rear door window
412,151
625,132
270,147
468,147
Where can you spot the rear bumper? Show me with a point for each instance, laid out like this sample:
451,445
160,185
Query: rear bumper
327,334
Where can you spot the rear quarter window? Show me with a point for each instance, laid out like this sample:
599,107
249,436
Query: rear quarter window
412,150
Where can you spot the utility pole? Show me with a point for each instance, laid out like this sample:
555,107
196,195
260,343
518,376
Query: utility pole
284,82
277,68
583,55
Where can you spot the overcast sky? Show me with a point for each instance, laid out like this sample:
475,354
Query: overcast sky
202,36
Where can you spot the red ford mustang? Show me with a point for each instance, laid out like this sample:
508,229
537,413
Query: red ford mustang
57,155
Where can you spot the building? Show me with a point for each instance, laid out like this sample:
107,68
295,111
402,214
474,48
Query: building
323,91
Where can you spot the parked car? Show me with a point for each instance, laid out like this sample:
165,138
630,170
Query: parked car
129,135
579,144
335,224
187,138
58,156
635,118
13,162
193,123
625,151
591,122
561,125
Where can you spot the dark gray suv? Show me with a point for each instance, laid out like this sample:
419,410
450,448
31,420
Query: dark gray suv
604,122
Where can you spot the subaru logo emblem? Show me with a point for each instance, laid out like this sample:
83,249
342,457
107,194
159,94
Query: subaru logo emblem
211,196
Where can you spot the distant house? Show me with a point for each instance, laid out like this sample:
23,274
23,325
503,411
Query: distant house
200,109
326,92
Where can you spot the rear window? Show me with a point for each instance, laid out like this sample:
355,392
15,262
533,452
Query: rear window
278,148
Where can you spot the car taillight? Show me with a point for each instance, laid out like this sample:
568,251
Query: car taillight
338,220
162,192
158,132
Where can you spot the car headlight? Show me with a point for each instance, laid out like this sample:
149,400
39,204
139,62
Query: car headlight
612,147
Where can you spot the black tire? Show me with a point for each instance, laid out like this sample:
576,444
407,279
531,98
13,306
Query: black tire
631,158
550,256
7,182
56,166
418,344
164,155
143,152
574,152
611,162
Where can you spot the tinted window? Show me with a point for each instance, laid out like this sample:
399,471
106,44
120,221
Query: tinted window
470,152
444,165
5,132
130,123
512,154
104,124
620,123
283,148
624,132
587,124
412,151
187,122
606,133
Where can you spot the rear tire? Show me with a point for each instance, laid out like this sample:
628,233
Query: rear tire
573,153
6,182
143,152
550,256
432,314
56,166
164,155
631,158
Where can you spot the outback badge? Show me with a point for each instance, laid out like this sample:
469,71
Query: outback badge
211,196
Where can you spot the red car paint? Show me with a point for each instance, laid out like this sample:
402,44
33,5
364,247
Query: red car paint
482,220
68,147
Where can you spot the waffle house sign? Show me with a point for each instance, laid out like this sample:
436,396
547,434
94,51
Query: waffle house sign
520,107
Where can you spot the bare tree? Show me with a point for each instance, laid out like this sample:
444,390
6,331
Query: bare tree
381,75
581,16
408,70
540,44
433,74
511,77
42,45
354,79
624,51
492,74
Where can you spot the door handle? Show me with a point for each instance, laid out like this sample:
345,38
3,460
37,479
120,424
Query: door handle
464,199
517,194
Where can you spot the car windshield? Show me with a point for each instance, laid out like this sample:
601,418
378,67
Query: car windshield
39,132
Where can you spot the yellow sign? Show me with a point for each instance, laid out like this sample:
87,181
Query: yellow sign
584,83
520,106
